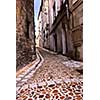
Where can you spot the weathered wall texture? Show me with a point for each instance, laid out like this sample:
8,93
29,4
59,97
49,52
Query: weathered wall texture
25,39
76,23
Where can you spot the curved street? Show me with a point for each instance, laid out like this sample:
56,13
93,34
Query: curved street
53,80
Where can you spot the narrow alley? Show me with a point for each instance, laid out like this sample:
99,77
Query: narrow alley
49,48
52,80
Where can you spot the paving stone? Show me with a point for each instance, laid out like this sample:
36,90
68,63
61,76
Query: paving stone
41,96
44,92
59,81
55,91
20,84
23,73
47,96
67,99
32,92
33,71
33,85
18,79
26,72
30,74
22,91
62,97
24,97
71,93
67,80
72,63
79,87
75,80
24,80
57,97
30,99
50,83
25,86
81,80
17,88
27,77
41,84
20,76
59,87
78,98
64,90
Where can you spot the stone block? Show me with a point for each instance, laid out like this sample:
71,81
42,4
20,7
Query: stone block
67,81
17,88
20,76
27,77
25,86
20,84
75,80
41,84
18,79
33,85
58,81
50,83
24,80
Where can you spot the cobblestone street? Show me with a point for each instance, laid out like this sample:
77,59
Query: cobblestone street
53,80
53,68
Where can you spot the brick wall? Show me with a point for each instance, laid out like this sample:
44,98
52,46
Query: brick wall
24,32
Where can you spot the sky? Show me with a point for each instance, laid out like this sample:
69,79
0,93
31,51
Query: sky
36,9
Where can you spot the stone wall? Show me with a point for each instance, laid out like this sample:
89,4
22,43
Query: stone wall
25,38
68,26
76,27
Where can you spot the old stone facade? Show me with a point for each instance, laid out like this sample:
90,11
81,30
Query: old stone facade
76,26
64,27
25,35
43,21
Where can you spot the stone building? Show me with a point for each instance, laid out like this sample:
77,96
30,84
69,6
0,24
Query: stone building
25,35
64,27
43,21
76,26
40,36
